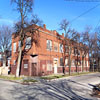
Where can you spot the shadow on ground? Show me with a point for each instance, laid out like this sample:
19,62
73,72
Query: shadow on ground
56,90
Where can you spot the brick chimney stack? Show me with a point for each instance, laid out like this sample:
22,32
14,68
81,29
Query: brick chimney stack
62,34
44,26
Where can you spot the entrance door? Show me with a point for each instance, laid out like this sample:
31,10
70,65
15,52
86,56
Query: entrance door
34,69
55,66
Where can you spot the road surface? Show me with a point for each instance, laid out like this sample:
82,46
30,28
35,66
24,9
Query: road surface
71,88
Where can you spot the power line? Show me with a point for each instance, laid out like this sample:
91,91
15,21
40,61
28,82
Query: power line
96,25
84,13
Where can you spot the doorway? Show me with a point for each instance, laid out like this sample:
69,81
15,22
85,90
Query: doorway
34,69
55,66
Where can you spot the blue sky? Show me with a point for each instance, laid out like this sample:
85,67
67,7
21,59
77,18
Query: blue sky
53,11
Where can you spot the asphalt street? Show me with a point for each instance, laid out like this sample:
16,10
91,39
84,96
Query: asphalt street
70,88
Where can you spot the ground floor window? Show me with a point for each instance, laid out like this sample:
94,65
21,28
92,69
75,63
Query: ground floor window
49,67
25,63
61,62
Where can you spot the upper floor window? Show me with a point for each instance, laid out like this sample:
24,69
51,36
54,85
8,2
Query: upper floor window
75,51
49,45
55,46
78,52
14,62
19,45
28,43
66,49
14,47
61,48
0,56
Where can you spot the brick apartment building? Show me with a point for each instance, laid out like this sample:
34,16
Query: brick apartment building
47,57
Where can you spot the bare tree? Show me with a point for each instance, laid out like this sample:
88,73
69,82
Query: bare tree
5,42
90,40
70,37
24,7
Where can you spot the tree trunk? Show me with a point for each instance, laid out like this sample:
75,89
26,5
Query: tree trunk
82,63
69,61
93,63
19,63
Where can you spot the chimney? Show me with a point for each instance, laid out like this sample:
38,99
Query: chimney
54,32
44,26
62,34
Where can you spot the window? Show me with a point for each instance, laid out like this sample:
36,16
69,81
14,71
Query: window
14,47
75,51
14,62
61,48
25,63
66,49
61,62
55,46
19,45
49,45
0,56
49,67
66,62
9,63
73,63
28,43
87,55
78,52
87,63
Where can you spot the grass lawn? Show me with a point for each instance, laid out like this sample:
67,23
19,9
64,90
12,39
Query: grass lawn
50,77
18,79
11,78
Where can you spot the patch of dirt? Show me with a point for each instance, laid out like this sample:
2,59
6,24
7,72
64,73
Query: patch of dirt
96,91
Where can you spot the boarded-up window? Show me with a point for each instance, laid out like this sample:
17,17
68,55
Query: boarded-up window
25,63
49,67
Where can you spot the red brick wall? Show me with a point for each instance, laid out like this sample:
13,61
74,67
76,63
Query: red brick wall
44,55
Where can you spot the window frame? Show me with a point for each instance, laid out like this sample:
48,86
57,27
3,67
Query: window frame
49,45
28,43
61,48
14,47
